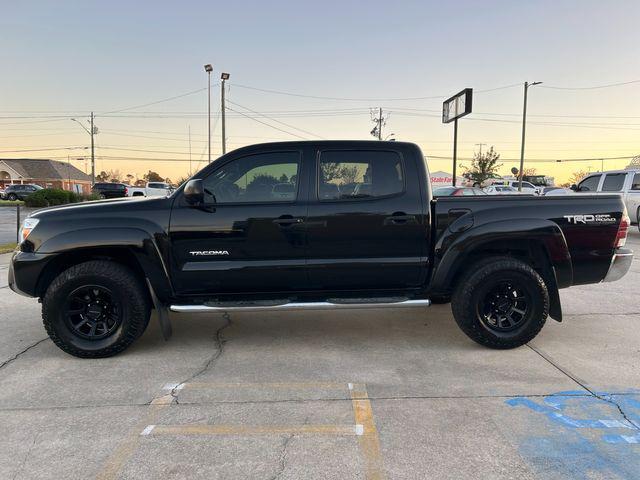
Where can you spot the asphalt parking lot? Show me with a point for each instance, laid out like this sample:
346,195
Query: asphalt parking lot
358,394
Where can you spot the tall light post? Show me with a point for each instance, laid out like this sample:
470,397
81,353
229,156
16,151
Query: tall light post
224,77
524,124
92,131
208,68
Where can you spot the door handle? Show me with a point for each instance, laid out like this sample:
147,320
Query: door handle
399,219
287,221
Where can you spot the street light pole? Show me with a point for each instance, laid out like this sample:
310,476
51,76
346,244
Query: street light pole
524,124
224,77
208,68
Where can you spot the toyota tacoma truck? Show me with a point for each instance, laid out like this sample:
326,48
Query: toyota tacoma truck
313,225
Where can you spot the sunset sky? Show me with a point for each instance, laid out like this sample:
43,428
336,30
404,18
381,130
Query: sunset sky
63,59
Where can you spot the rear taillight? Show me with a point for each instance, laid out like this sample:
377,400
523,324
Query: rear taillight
126,191
623,229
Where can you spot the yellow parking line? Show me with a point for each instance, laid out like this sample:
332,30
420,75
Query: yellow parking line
204,429
368,441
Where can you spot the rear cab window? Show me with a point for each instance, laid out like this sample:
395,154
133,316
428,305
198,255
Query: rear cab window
357,174
635,183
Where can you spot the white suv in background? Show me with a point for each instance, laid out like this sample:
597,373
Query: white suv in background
624,182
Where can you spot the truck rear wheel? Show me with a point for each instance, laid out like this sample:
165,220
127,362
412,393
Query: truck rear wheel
501,303
95,309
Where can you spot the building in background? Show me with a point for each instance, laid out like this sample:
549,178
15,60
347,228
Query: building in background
442,179
46,173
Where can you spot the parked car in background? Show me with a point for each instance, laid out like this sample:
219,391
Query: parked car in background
20,191
151,189
539,180
624,182
554,191
109,190
527,187
457,191
502,190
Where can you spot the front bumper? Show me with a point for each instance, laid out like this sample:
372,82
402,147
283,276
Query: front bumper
620,264
25,270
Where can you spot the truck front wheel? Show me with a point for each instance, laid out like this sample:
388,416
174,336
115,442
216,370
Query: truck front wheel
501,303
95,309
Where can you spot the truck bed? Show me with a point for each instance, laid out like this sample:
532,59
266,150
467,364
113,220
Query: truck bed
587,223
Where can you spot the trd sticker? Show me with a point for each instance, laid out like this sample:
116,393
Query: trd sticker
591,218
208,253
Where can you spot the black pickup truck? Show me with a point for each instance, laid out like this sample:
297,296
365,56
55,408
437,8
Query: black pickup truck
312,225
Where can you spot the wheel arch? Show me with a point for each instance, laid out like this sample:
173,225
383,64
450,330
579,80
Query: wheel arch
133,248
539,243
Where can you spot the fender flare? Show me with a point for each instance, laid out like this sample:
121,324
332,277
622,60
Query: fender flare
453,249
139,242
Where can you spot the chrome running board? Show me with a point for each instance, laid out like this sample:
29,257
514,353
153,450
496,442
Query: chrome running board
331,304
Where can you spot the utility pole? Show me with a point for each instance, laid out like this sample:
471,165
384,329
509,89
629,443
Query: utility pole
524,123
224,77
480,145
379,120
208,68
91,132
93,157
69,171
190,170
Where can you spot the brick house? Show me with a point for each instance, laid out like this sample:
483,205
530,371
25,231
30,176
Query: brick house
46,173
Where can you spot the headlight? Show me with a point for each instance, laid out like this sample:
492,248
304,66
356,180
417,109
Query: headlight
27,226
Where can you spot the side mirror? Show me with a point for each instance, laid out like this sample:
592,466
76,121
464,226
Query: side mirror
194,192
574,187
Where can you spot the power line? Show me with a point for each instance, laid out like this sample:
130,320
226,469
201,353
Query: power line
277,121
268,125
595,87
541,160
351,99
175,97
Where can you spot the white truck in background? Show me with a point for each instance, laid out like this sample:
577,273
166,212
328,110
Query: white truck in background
151,189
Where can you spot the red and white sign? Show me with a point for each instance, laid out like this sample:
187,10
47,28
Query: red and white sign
443,178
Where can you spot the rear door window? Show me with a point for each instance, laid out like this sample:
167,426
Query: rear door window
613,182
349,175
589,184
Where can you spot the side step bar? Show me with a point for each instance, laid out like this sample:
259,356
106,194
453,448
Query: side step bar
331,304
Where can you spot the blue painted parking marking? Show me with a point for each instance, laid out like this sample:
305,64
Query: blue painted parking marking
580,435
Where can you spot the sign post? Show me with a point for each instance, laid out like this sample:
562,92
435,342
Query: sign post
452,109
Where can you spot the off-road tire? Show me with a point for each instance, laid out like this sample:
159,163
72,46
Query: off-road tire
465,302
122,283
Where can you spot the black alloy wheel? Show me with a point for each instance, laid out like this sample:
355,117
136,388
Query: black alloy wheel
504,306
93,312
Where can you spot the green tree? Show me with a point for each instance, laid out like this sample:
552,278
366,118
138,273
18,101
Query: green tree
263,179
284,178
483,166
152,176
